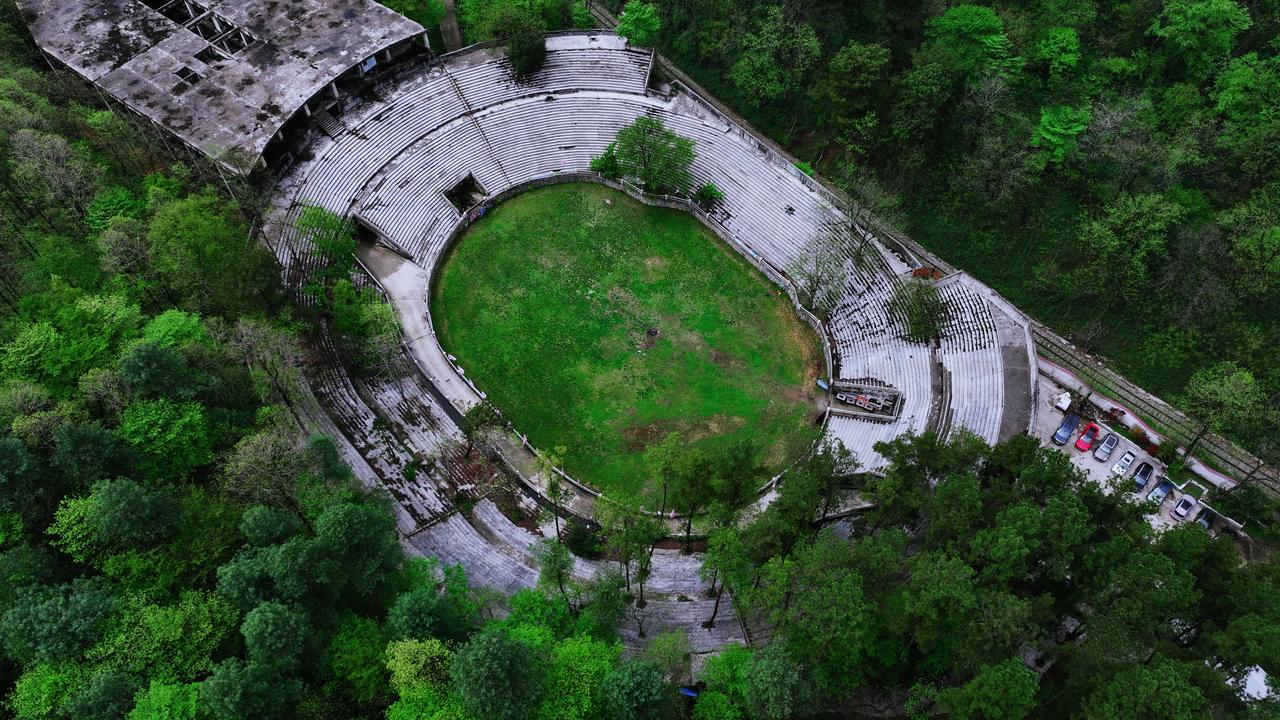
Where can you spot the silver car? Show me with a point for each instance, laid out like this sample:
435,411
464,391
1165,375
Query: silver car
1122,465
1183,508
1109,443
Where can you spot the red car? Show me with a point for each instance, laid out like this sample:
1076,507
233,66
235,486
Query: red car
1090,434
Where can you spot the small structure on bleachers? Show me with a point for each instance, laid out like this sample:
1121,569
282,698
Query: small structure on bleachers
865,400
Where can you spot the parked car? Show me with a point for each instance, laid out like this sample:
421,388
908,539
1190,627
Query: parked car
1109,443
1142,475
1091,433
1160,492
1184,507
1122,465
1067,427
1206,518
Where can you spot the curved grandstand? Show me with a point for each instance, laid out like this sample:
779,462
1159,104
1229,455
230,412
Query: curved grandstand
389,162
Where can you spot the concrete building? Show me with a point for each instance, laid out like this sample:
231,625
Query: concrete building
224,76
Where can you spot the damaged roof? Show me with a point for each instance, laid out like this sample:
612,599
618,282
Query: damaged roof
223,75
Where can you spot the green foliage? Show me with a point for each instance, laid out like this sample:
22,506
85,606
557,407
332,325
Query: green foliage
1003,692
173,436
427,13
1201,32
176,329
574,680
639,22
1057,131
919,308
204,256
172,643
165,701
240,691
708,196
774,58
417,662
41,691
356,657
713,705
489,19
655,157
498,677
1059,48
274,635
55,623
607,163
581,14
117,515
108,695
113,202
635,690
970,35
75,332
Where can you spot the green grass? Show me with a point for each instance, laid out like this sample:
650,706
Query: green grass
548,301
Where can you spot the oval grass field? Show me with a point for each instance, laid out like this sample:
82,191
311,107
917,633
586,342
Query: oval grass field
599,324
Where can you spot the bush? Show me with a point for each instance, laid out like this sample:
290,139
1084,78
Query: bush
805,168
920,309
581,15
607,163
523,30
708,196
581,541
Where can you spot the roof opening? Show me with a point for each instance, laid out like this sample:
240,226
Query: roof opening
189,76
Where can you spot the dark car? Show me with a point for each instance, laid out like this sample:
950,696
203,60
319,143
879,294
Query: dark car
1090,433
1142,475
1065,430
1206,518
1160,492
1109,443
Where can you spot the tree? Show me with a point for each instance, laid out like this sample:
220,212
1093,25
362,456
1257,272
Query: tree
1226,398
775,687
1125,243
1159,691
415,662
671,651
555,564
1201,32
204,256
478,422
818,269
1246,92
498,677
774,58
1003,692
578,667
1059,49
168,643
356,658
117,516
712,705
970,35
248,691
274,635
107,696
654,156
523,30
844,97
427,13
162,701
639,22
422,614
815,601
635,690
54,623
173,436
725,560
1057,131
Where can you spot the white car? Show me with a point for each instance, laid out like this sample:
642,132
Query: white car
1122,465
1184,507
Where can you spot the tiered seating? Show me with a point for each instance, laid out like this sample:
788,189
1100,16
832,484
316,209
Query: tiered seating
971,354
468,114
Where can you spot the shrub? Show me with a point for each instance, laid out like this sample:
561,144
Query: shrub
581,541
920,309
708,196
606,163
805,168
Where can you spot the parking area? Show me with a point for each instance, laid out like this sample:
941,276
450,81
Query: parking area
1048,420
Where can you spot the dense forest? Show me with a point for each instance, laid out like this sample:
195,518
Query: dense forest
175,545
1110,167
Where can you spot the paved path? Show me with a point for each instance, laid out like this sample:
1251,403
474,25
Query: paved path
449,27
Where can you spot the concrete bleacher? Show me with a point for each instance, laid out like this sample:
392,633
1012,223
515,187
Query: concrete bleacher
400,152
